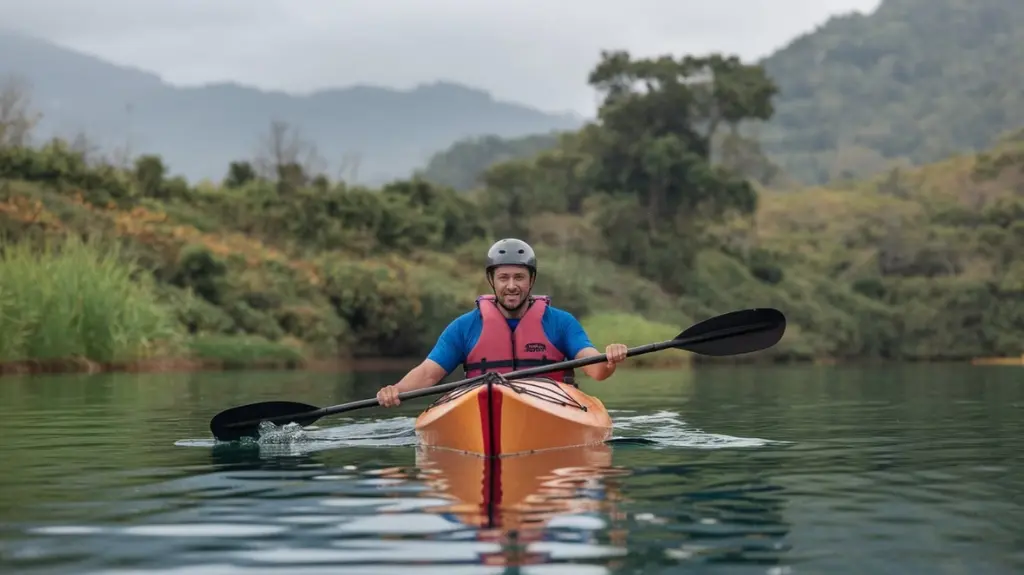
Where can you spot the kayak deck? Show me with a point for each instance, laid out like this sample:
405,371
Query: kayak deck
495,417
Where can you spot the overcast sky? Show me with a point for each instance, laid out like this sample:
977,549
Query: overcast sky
533,51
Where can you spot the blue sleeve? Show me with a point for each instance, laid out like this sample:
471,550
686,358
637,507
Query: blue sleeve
567,333
450,350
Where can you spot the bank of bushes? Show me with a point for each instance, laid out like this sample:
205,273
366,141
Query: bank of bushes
66,303
73,300
638,232
258,271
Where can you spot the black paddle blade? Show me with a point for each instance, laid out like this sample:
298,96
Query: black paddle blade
752,330
244,420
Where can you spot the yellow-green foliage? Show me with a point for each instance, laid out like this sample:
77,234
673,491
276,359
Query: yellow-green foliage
922,263
637,232
917,264
245,351
629,329
78,300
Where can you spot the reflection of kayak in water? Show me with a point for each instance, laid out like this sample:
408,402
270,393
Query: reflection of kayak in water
497,417
513,500
520,492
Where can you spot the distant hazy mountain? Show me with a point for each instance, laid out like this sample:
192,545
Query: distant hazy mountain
198,131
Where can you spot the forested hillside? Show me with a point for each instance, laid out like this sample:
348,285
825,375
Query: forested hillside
914,82
638,233
461,165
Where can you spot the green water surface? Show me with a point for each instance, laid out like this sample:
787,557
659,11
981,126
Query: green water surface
779,470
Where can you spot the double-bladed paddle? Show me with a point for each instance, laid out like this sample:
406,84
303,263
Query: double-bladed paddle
733,333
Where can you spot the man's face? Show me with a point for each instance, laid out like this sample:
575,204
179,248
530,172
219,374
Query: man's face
511,285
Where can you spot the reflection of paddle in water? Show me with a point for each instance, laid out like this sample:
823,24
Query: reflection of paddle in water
513,500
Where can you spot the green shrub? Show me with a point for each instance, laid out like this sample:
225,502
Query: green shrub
633,330
242,351
73,299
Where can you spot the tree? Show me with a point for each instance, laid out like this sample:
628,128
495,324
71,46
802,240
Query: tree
149,175
239,174
17,118
658,118
348,168
89,150
286,157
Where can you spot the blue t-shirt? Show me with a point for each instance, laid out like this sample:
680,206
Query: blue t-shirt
461,335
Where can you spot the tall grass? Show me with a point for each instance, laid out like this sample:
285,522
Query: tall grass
78,300
242,351
634,330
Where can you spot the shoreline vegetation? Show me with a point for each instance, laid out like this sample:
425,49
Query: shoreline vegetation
50,319
645,222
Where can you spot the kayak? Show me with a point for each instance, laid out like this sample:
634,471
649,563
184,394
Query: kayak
498,418
523,493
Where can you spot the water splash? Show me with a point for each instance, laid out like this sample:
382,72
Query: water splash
292,439
668,429
271,434
661,429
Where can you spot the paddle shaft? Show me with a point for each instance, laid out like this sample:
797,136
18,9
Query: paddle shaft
570,364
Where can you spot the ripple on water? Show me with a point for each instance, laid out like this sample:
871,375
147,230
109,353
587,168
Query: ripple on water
882,477
664,429
205,529
305,516
667,429
319,527
228,569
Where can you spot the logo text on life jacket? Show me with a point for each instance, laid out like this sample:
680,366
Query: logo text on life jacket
535,347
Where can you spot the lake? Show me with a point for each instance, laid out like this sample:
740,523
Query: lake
772,470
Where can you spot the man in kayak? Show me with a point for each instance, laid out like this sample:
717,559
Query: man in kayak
507,331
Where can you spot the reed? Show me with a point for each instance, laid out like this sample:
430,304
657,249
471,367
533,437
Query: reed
633,330
245,351
70,299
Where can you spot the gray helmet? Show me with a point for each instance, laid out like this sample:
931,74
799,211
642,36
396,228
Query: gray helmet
511,252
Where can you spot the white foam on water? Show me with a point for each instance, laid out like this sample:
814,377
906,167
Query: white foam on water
668,429
292,439
660,429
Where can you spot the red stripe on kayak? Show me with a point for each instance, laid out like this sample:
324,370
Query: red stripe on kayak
489,401
496,421
484,400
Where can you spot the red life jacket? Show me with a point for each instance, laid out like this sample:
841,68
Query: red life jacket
502,350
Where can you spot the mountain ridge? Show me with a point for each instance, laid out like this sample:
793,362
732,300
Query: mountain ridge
119,106
909,83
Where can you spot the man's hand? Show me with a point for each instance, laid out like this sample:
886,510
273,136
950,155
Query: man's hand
616,353
387,396
423,375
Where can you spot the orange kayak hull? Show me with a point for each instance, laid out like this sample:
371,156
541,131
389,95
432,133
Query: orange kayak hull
498,419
